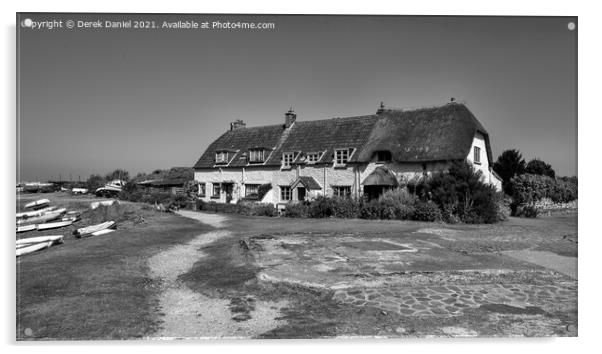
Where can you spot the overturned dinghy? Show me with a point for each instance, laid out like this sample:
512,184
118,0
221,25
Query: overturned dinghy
93,230
50,216
33,248
38,204
54,225
29,214
25,228
54,239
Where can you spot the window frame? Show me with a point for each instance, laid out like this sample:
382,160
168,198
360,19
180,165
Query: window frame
282,192
336,157
255,186
476,155
284,159
257,159
202,189
216,187
223,159
336,191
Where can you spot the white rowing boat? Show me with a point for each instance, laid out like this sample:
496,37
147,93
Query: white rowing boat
29,214
41,203
25,228
38,239
54,225
33,248
102,232
50,216
95,205
91,230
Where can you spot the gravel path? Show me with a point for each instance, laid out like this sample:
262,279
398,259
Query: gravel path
188,314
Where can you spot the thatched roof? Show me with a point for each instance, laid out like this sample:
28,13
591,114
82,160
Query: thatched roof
439,133
430,134
381,176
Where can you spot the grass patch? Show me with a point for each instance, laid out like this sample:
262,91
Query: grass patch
97,287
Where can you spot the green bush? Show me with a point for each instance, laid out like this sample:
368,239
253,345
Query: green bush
396,204
527,189
242,208
370,210
427,211
461,195
296,210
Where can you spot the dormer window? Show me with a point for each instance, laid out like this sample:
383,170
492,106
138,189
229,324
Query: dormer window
383,156
256,156
221,157
341,156
313,157
287,159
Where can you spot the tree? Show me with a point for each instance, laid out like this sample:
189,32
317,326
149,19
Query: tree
118,174
509,164
539,167
94,182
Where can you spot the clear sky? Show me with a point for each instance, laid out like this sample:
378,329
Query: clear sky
92,100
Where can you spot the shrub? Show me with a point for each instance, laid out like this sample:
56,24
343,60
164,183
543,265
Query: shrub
460,194
527,189
427,211
346,208
298,210
396,204
321,207
539,167
370,210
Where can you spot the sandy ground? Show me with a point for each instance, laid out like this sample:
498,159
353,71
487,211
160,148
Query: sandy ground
562,264
189,314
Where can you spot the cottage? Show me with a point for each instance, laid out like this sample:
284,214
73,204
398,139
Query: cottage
348,157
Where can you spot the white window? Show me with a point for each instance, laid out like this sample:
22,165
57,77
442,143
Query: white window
287,159
341,156
221,157
256,155
341,191
285,193
202,189
251,190
312,157
477,155
217,189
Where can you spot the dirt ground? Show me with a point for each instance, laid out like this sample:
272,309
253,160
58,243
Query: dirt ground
231,276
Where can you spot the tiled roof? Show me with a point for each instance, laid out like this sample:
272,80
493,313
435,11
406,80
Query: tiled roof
429,134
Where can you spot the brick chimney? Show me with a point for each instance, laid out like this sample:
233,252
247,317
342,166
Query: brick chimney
237,124
289,118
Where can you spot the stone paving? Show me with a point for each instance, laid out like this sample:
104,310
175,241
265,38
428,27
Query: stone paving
450,300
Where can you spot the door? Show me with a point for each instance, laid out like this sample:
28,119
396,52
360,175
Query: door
301,193
228,187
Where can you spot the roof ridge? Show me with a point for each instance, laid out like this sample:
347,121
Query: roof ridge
420,108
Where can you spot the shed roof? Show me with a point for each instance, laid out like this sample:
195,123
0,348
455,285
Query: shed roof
381,177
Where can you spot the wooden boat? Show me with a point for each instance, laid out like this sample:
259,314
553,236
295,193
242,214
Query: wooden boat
29,214
71,217
54,225
33,248
31,240
38,204
102,232
26,228
90,230
53,215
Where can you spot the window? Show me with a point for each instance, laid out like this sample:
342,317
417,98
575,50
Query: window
341,156
256,155
251,190
477,155
221,157
202,189
383,156
312,157
342,191
287,159
285,193
217,189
